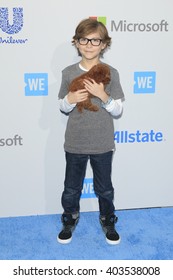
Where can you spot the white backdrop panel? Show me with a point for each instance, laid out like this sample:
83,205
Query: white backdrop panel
32,128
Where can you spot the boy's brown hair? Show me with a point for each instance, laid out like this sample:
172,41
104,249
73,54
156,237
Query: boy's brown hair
88,26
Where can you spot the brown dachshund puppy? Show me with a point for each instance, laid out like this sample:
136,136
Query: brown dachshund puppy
100,73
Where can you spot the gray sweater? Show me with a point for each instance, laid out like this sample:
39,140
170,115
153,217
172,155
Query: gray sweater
90,132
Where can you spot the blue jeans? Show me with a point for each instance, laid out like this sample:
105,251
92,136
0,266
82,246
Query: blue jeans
75,173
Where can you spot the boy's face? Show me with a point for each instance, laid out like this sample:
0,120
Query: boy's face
89,51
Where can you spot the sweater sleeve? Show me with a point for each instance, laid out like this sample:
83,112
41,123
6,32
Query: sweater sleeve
114,88
114,107
65,106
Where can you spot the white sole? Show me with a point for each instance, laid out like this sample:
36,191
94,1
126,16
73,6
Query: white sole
64,241
111,242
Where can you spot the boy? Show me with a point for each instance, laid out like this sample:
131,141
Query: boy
89,135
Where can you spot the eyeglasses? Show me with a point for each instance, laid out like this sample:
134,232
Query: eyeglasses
85,41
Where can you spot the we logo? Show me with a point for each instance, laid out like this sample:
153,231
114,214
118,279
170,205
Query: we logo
17,23
144,82
36,84
88,190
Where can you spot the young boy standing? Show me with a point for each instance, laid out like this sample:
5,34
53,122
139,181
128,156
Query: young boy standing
89,135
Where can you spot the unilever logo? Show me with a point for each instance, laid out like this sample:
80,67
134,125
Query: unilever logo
36,84
144,82
11,29
17,20
88,189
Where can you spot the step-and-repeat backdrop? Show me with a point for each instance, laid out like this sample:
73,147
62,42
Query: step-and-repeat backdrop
35,45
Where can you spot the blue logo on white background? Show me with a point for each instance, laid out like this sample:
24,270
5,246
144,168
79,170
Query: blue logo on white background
138,136
17,20
36,84
144,82
11,26
88,190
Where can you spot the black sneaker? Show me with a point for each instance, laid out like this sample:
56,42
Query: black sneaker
108,226
69,224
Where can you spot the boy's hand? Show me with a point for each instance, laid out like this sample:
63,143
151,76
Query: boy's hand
77,96
96,89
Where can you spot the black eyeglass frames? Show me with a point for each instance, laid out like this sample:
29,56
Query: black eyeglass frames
85,41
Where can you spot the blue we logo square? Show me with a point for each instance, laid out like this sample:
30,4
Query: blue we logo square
144,82
88,190
36,84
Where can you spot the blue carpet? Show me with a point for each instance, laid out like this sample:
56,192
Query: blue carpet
146,234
